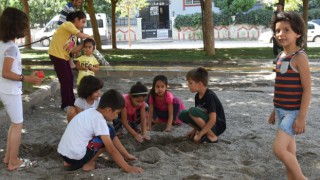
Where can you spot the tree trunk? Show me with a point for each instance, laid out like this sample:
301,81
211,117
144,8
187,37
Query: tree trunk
27,38
129,27
202,25
305,18
113,23
94,24
208,23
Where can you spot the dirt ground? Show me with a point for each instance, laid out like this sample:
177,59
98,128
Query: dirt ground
243,152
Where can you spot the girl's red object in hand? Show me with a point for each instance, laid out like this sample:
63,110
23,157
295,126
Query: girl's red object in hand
40,74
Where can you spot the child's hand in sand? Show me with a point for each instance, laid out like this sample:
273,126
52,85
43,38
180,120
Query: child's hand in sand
168,129
138,137
191,134
196,138
133,169
272,118
130,157
146,137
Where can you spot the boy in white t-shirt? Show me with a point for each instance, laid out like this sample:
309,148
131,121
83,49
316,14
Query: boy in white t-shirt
76,145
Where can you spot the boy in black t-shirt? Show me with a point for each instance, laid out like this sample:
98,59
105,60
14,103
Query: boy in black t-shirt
207,117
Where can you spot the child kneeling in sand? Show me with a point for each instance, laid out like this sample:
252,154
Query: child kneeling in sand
79,149
134,113
207,117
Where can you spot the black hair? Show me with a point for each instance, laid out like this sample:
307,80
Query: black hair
296,22
76,14
198,74
155,80
88,85
13,24
111,99
90,40
138,90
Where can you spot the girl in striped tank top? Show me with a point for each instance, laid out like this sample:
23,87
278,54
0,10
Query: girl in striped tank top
292,89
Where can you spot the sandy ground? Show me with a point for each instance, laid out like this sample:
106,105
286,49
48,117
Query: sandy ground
243,152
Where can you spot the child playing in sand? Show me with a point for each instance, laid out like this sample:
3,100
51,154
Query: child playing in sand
89,97
89,91
163,106
134,113
207,117
77,146
87,64
13,25
292,89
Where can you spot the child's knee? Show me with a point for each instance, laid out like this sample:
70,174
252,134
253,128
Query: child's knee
184,116
278,151
71,113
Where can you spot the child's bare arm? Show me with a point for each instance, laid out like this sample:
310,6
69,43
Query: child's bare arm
272,118
302,65
150,117
144,123
77,49
170,117
117,157
124,120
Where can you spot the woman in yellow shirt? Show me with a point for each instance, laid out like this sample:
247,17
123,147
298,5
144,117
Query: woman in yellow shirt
62,44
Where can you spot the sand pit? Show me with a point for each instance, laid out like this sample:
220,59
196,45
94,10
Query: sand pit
244,151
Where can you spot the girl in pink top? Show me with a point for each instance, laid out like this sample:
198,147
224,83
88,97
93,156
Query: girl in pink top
163,106
134,113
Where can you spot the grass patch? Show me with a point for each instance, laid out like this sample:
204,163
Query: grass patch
176,54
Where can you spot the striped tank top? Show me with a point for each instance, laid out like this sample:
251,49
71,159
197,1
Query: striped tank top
287,89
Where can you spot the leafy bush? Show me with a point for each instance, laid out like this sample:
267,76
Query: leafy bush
189,20
257,17
313,14
221,19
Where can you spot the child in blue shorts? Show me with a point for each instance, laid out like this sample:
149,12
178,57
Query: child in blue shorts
292,89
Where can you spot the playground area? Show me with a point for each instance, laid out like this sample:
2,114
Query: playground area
244,151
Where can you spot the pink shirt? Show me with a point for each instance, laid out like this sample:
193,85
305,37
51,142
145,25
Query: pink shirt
162,105
131,110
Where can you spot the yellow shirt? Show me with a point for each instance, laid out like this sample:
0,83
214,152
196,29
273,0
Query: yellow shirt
86,61
63,41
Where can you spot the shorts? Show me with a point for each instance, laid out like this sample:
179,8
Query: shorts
95,144
77,164
285,120
13,106
217,129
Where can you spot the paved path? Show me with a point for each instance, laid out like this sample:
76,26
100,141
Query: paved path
170,44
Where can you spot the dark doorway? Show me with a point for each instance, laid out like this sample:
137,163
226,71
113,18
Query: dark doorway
155,20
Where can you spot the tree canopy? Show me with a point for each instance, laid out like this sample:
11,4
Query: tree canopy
232,7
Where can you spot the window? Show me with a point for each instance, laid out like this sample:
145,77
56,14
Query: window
99,22
311,26
191,2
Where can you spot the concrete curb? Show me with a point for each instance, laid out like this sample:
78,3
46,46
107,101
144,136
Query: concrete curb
31,100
